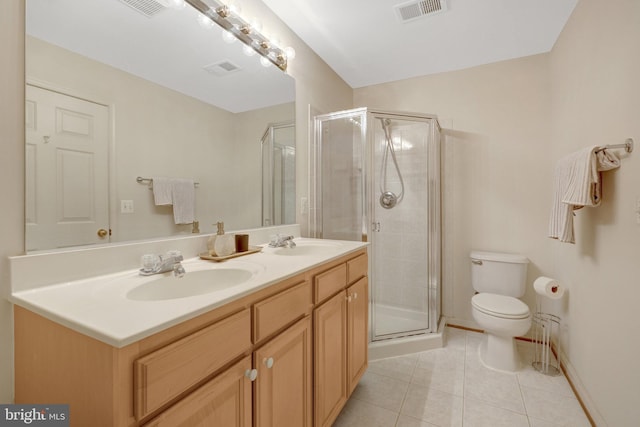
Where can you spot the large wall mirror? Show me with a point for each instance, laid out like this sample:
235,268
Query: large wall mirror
115,92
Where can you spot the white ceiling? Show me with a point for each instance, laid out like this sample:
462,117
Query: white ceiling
169,49
366,44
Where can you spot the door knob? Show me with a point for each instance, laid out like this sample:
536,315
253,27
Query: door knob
102,233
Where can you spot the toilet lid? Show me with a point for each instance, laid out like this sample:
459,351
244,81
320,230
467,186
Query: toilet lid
500,306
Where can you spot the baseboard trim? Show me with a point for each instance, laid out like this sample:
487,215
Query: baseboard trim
570,374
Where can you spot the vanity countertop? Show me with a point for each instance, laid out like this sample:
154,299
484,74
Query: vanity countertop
102,307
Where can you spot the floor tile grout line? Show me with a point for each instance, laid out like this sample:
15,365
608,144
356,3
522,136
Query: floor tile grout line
470,341
406,393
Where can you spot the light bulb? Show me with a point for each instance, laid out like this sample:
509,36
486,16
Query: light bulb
204,21
265,62
228,36
290,52
248,50
256,25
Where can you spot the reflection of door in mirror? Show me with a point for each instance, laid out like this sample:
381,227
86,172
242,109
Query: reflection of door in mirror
67,172
279,175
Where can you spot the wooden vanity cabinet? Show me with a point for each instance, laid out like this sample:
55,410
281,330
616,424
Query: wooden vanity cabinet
340,336
223,401
283,389
269,359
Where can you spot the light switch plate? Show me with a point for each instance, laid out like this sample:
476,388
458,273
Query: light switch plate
126,206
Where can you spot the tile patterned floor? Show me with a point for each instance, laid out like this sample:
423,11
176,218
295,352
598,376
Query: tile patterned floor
449,387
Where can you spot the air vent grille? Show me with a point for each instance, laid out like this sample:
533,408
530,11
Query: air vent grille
222,68
417,9
146,7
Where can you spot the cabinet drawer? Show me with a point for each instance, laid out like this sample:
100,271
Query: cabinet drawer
330,282
357,268
223,401
280,310
164,374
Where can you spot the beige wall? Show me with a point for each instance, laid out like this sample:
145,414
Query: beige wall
596,100
160,132
496,169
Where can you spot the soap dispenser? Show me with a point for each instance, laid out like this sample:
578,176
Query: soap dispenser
221,244
211,242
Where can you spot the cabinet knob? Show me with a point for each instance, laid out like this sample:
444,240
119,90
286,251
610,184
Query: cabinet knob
355,295
252,374
268,362
349,298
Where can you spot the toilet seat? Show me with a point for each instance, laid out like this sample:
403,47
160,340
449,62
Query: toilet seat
501,306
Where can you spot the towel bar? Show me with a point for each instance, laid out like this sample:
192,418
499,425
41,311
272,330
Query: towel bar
141,180
628,146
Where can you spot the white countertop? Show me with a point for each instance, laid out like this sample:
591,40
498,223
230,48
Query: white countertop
100,308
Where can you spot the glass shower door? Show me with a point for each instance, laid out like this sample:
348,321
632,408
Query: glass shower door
400,233
377,179
340,171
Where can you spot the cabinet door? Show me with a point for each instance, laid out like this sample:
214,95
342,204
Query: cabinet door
358,333
283,390
223,401
330,339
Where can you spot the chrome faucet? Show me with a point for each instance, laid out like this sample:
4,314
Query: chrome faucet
280,241
157,264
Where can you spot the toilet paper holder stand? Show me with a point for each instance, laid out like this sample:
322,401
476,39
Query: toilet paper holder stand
546,326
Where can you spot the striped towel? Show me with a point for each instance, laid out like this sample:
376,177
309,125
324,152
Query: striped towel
577,184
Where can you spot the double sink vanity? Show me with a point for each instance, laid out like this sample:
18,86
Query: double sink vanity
276,338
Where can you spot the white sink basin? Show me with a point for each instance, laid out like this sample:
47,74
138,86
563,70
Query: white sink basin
308,248
191,284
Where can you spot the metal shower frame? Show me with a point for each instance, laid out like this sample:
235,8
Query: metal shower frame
434,236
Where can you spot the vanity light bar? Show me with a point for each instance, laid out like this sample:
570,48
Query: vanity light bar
222,15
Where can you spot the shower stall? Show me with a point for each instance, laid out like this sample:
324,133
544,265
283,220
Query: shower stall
376,178
278,174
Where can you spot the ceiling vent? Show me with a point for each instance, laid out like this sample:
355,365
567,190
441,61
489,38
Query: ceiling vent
413,10
222,68
148,8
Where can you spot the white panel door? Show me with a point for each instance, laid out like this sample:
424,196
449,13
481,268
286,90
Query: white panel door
67,181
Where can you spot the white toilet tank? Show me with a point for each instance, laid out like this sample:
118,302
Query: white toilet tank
498,273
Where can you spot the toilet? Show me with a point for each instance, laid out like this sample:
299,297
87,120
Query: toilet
499,280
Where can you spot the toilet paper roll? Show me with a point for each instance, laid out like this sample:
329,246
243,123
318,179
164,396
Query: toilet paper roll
548,287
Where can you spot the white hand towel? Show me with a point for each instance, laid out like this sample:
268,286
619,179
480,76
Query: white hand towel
162,191
184,200
577,184
179,192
